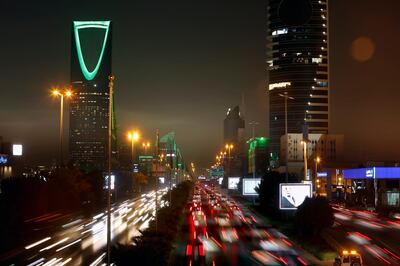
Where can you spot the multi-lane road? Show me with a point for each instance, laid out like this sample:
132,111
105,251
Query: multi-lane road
82,241
220,231
376,238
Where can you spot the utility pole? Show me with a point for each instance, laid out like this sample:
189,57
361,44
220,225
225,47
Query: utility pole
158,162
110,118
253,124
286,97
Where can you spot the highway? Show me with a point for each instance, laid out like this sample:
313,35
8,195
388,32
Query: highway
82,241
376,238
221,231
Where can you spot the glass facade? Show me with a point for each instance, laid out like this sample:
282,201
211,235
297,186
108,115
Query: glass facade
297,62
89,108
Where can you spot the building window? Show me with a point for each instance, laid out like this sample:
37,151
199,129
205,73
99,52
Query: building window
280,31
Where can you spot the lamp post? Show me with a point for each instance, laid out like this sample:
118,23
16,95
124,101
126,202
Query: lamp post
145,146
253,124
110,121
316,161
133,136
229,147
286,97
67,94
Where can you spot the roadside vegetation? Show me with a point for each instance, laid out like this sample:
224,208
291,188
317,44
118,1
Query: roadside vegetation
305,225
154,245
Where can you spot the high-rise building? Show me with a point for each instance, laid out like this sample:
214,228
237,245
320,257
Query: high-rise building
297,57
89,108
233,126
258,155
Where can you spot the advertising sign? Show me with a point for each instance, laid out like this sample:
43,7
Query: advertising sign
232,182
3,159
161,179
220,180
112,181
322,174
249,186
17,150
292,195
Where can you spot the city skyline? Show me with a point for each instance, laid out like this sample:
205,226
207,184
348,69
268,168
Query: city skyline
148,63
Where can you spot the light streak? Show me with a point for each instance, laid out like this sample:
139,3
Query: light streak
38,243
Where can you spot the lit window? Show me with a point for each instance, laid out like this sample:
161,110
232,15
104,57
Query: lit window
280,31
317,60
279,85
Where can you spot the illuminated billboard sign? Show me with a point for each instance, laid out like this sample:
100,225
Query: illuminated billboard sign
249,186
372,173
322,174
233,182
292,195
112,181
220,180
3,159
17,150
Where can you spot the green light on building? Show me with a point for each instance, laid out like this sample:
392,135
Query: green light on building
257,147
79,25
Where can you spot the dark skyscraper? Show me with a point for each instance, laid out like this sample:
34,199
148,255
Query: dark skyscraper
89,109
297,57
233,126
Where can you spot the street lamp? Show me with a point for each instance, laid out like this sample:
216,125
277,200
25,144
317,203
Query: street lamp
67,93
133,136
286,97
229,147
145,145
317,161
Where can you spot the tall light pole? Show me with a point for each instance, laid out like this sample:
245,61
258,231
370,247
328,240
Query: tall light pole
316,161
286,97
145,146
110,121
229,147
67,94
253,124
132,137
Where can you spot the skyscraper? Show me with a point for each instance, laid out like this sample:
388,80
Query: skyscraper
297,57
234,134
89,109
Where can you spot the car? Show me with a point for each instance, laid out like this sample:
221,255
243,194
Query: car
348,258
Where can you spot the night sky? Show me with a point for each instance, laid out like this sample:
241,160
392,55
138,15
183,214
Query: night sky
180,64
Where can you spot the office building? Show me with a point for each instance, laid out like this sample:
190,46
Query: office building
89,108
258,159
297,58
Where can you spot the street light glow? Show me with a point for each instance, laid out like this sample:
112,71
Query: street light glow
55,92
68,93
133,135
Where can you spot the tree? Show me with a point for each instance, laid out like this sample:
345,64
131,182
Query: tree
313,215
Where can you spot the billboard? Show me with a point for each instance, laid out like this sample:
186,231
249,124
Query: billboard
112,182
249,186
220,180
292,195
17,150
233,182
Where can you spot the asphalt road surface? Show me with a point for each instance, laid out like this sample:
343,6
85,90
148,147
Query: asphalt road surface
82,241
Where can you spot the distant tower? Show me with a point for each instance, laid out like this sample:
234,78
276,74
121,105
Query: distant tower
298,64
89,109
233,123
